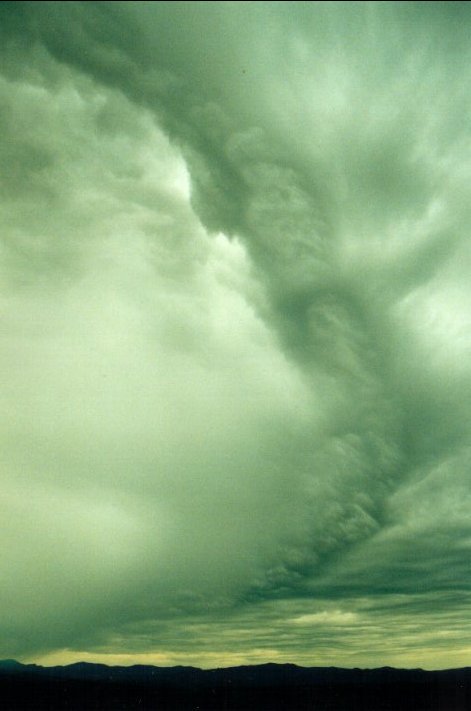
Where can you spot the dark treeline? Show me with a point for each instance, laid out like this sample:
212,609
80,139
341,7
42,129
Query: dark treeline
268,687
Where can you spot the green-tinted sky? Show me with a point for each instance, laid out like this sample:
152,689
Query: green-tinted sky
235,332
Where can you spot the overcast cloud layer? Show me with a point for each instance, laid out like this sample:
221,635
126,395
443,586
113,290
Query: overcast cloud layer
235,340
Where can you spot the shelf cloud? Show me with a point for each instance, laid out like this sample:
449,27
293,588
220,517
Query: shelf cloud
235,332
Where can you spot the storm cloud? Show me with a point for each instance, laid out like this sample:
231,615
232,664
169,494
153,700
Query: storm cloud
235,332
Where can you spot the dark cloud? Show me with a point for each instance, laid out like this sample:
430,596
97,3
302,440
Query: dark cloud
236,329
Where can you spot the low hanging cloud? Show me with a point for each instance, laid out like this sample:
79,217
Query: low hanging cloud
235,331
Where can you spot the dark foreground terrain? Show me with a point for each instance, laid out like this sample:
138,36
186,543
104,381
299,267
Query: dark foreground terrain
268,687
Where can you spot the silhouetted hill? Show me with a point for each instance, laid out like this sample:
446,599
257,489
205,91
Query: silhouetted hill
265,687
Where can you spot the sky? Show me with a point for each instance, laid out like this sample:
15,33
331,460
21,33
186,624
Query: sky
235,333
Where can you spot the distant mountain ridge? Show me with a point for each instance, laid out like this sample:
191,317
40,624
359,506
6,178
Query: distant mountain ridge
270,687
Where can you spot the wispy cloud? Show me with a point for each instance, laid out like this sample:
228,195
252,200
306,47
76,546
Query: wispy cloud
235,331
